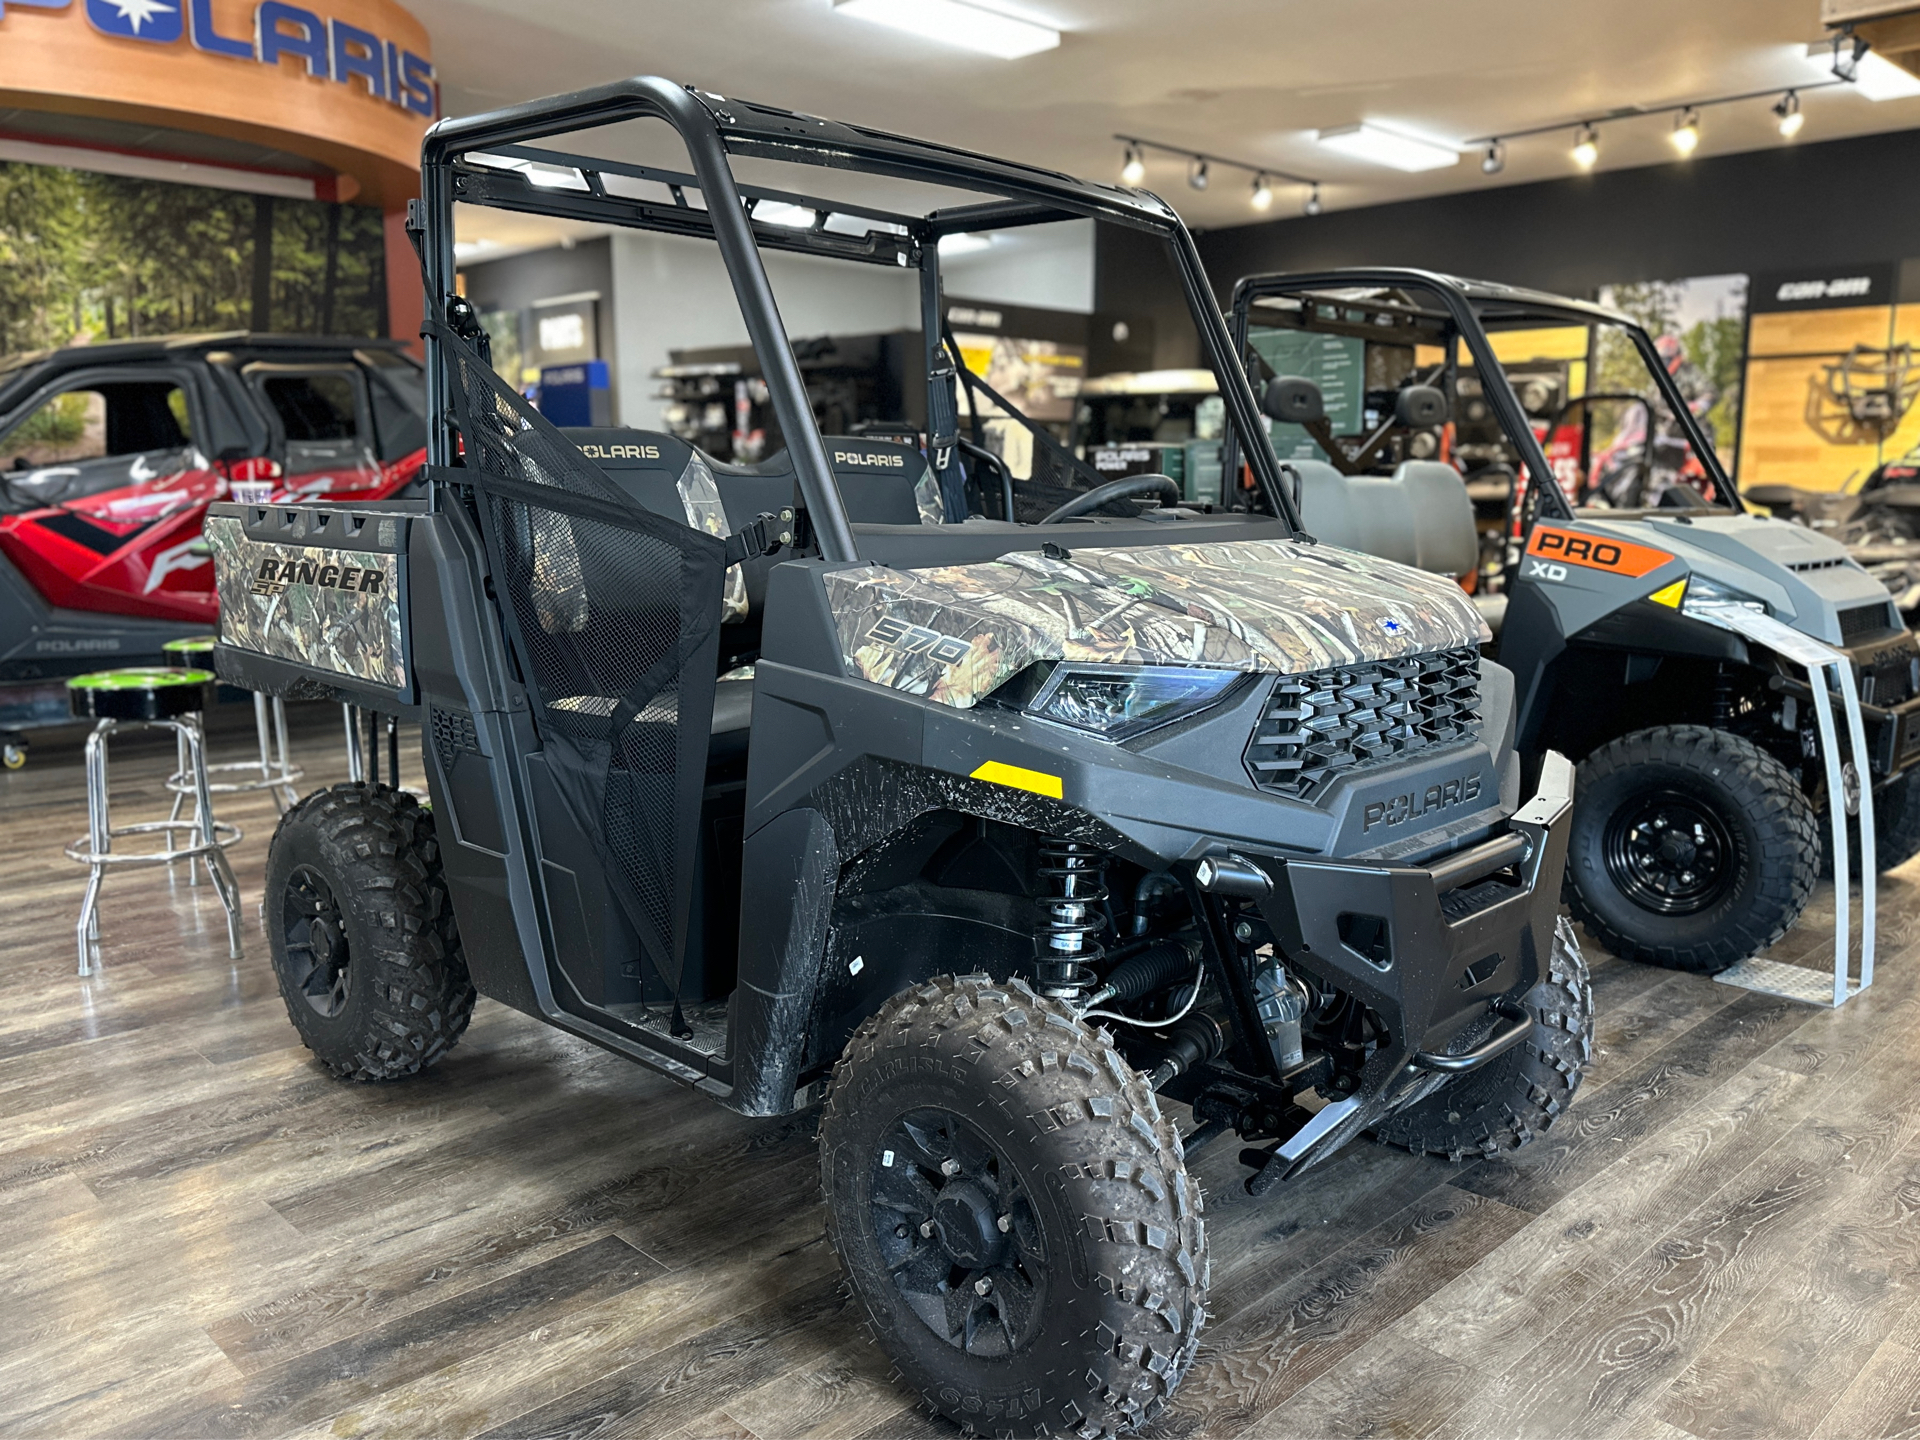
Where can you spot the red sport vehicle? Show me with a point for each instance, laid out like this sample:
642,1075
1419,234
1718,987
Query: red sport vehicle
110,455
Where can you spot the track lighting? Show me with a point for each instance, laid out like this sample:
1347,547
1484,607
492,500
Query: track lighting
1495,160
1787,112
1586,147
1312,204
1686,131
1133,168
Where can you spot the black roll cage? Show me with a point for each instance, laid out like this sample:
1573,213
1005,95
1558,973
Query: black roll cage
1516,308
714,127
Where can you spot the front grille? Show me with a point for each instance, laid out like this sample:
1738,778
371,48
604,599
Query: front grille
1320,726
1890,675
1861,621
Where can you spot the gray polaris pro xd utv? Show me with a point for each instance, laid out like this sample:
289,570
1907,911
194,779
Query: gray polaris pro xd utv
1040,851
1660,634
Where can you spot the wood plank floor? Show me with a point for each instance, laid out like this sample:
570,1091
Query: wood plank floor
205,1236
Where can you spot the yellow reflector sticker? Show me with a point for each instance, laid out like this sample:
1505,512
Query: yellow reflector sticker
995,772
1670,595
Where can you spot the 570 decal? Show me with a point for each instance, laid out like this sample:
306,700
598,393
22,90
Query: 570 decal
918,640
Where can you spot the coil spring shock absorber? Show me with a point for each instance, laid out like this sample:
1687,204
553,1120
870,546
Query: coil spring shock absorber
1068,943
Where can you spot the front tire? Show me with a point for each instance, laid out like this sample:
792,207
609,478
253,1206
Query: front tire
1013,1212
362,933
1518,1096
1691,848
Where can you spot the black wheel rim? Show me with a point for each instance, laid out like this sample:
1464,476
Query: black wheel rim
317,958
1671,853
958,1234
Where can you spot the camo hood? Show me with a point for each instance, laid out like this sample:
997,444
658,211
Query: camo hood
955,633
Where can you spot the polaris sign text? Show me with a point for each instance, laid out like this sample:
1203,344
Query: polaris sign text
324,47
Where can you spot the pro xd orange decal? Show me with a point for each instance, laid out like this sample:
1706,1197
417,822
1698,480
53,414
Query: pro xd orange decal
1595,552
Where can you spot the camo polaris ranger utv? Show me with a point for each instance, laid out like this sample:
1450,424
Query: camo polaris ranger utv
1020,844
1663,641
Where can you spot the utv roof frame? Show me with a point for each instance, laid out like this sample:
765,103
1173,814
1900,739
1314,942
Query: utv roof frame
1460,296
714,127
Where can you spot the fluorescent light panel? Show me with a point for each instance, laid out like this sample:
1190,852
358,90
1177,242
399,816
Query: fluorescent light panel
1880,79
1383,147
952,22
779,212
1875,77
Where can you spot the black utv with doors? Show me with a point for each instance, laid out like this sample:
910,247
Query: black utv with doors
1041,851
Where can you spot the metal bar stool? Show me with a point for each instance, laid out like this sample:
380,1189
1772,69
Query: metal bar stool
164,700
277,776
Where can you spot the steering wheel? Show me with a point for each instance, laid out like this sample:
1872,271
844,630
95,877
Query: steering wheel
1128,487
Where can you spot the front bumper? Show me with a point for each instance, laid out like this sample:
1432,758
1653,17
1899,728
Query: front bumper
1431,951
1888,674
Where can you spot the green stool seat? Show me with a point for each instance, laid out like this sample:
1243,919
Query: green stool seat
190,649
147,692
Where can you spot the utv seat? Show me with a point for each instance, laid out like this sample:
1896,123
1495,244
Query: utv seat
879,482
1420,516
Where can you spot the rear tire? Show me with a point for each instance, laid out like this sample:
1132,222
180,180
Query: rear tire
362,933
963,1105
1512,1099
1737,872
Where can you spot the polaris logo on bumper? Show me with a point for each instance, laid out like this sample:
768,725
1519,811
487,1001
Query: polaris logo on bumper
1399,809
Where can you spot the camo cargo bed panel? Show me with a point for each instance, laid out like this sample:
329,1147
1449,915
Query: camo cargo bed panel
319,587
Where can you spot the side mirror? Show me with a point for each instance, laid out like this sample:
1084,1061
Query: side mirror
1419,406
1293,400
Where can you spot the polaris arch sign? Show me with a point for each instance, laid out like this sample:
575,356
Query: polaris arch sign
325,48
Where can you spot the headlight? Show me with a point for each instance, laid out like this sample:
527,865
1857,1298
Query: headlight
1702,590
1116,702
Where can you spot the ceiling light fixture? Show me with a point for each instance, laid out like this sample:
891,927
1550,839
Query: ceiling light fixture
1787,113
1383,147
1197,174
1586,147
1495,160
1135,168
1686,131
779,212
963,242
953,22
1311,206
1878,78
1262,197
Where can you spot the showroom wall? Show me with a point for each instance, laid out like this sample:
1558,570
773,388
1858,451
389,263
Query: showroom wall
510,293
1787,207
673,294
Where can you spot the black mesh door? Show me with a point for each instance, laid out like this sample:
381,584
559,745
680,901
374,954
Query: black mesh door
614,614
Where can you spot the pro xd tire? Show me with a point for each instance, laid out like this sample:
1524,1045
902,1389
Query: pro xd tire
1510,1100
1691,848
1013,1212
362,933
